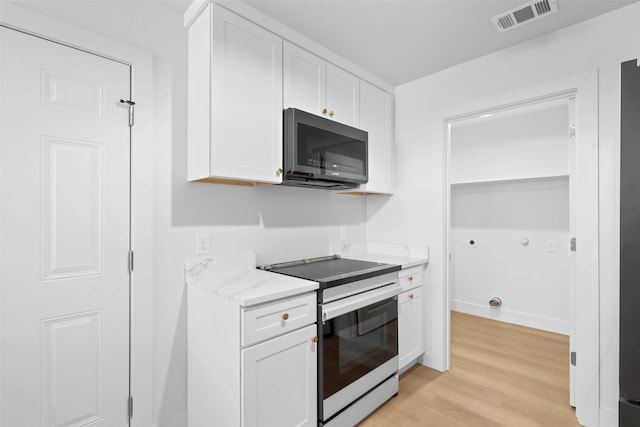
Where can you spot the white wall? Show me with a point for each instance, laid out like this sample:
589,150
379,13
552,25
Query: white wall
522,143
532,282
416,212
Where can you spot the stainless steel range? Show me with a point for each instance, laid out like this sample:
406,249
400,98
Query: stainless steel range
358,334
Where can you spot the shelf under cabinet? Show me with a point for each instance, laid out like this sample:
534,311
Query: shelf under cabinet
513,180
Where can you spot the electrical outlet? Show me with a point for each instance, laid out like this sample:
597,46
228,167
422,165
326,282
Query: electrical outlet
203,244
343,233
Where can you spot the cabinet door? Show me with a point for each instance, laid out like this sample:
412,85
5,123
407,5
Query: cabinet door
410,325
343,96
279,385
376,117
305,80
246,100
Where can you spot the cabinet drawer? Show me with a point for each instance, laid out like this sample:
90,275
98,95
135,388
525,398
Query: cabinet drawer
410,278
269,320
410,296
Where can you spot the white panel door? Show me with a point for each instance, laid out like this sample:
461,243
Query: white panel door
246,122
305,80
64,235
343,96
279,381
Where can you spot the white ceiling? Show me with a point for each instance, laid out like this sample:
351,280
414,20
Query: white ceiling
401,40
397,40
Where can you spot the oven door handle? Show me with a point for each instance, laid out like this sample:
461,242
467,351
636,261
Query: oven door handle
346,305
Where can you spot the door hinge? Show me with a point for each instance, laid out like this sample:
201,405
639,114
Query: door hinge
130,261
573,244
131,105
573,358
572,132
130,407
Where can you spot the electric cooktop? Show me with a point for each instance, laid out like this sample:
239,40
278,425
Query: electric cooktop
332,270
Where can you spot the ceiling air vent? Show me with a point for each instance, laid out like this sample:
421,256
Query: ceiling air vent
523,14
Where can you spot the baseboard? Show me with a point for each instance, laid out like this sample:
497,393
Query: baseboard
516,317
177,421
608,418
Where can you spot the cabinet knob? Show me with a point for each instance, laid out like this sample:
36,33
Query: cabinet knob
279,171
285,316
324,111
314,339
411,296
411,278
330,113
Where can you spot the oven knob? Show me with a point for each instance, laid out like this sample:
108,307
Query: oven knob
285,316
314,339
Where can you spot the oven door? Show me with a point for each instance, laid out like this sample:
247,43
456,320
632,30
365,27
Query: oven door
358,348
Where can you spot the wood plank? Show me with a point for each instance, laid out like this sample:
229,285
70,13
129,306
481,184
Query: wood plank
501,375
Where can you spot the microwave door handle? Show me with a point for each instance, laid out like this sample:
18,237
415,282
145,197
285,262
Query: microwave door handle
343,306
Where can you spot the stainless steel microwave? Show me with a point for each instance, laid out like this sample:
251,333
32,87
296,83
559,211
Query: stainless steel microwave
323,153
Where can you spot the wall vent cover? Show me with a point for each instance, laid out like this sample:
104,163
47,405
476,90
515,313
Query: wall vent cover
526,13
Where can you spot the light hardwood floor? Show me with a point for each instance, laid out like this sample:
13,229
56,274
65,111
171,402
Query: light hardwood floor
501,375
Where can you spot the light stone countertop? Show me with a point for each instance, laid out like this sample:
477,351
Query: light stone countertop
404,261
236,279
390,253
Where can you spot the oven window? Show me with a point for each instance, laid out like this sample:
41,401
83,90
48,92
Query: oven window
357,343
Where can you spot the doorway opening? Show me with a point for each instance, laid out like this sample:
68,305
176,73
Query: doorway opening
511,216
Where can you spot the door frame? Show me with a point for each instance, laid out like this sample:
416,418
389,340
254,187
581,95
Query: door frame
141,371
584,87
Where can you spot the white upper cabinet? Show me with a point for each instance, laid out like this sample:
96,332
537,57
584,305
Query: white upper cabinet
376,117
343,96
316,86
305,80
235,100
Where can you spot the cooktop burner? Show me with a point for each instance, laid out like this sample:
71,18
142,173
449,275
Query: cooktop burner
332,271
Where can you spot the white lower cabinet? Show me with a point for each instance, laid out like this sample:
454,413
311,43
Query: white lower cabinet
410,326
410,317
252,366
279,381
